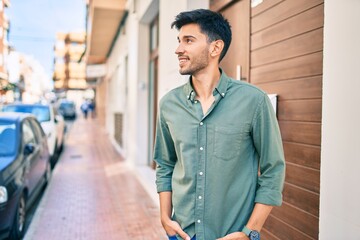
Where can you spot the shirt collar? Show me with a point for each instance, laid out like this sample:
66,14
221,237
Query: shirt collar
221,88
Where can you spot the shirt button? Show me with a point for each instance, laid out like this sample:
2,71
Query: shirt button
199,221
200,197
196,101
201,148
201,123
201,173
223,94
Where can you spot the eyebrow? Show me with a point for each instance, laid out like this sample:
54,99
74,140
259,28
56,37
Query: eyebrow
186,36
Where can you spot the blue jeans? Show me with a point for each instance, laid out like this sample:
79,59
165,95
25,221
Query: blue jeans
175,238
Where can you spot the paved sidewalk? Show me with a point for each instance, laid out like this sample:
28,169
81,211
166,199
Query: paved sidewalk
93,195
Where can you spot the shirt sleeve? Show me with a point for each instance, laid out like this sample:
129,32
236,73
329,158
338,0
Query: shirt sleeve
268,144
164,155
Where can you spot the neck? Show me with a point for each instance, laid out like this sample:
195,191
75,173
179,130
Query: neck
205,82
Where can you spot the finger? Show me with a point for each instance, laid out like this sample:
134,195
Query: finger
183,235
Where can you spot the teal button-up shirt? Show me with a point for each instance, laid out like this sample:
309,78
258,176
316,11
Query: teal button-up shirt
211,162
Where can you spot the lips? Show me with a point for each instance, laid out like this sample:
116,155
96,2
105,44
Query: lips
183,60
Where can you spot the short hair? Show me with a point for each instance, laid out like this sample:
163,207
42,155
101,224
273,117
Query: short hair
212,24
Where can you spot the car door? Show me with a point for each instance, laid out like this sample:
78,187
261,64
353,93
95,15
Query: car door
43,147
32,158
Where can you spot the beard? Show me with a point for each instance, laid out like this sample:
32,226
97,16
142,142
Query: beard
197,64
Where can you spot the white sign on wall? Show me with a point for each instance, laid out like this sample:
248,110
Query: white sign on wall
254,3
95,70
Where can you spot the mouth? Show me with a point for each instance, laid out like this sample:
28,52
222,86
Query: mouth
183,60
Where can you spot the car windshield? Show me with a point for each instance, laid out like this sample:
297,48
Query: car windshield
7,138
42,113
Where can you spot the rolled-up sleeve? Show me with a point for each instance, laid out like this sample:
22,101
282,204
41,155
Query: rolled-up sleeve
164,155
268,144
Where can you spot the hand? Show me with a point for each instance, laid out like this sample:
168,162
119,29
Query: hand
172,228
235,236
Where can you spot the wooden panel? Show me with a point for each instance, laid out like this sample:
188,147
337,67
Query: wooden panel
307,178
301,23
265,234
301,198
238,54
300,110
304,66
301,154
217,5
281,12
265,5
285,231
301,88
297,218
300,45
301,132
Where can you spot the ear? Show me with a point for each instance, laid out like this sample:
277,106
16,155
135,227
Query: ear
216,48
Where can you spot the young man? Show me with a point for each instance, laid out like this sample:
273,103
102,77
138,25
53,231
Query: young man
220,162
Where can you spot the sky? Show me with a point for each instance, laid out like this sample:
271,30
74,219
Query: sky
34,23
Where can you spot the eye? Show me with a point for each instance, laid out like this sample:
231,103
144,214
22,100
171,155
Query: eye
189,40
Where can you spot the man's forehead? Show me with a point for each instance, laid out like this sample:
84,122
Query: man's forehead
190,30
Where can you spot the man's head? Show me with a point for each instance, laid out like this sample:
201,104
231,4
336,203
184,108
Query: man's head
212,24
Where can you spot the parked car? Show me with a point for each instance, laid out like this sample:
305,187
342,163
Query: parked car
24,169
67,109
53,124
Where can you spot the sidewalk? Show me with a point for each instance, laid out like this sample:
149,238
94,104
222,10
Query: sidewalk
93,195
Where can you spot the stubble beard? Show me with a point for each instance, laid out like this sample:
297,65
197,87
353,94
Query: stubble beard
198,64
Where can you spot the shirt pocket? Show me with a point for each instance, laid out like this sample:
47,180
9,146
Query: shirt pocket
228,141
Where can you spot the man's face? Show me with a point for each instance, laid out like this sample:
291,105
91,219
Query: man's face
193,50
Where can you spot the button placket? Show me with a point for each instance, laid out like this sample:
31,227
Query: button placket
200,182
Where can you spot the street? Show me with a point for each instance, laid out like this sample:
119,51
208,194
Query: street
93,194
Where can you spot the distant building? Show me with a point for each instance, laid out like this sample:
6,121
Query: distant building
69,73
4,29
28,79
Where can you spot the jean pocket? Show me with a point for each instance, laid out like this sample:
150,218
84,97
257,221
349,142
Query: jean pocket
172,237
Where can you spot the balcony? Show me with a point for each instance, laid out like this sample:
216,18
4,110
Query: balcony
104,19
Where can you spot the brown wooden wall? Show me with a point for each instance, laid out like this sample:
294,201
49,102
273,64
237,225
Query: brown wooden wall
286,52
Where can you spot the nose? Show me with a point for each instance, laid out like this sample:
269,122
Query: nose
179,49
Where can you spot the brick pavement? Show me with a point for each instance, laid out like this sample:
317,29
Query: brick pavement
93,194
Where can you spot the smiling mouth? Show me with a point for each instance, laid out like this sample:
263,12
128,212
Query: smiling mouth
182,61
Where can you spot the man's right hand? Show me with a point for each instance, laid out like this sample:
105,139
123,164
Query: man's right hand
172,228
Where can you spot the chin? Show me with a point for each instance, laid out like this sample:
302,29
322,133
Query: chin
184,72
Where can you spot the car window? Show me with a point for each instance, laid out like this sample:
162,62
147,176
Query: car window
37,130
7,139
42,113
68,105
28,135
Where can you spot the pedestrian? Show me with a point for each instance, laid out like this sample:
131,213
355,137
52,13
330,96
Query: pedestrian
84,108
220,162
92,108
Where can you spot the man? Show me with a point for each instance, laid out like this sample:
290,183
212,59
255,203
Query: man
220,162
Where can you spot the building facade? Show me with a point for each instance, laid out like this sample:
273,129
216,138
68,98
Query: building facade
278,45
4,50
69,71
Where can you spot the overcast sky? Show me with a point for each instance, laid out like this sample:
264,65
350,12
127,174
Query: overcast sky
34,23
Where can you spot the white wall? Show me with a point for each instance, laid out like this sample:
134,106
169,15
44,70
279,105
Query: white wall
340,153
116,96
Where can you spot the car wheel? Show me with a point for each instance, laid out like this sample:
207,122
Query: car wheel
61,147
48,173
18,227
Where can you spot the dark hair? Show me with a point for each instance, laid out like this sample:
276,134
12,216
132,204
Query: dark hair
212,24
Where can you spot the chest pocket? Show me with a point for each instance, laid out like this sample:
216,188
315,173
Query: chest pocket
229,141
